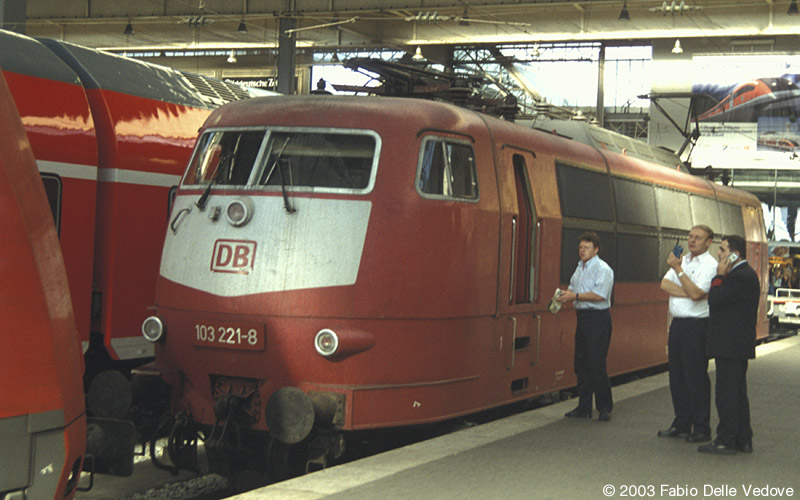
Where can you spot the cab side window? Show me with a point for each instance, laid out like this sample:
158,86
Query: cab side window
447,169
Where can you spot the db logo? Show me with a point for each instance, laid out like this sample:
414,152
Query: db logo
233,256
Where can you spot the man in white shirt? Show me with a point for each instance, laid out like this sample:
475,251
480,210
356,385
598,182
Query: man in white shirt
687,283
590,288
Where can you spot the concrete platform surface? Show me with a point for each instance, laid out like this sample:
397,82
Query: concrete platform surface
542,455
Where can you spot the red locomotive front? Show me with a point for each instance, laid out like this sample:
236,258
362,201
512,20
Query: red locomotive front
314,277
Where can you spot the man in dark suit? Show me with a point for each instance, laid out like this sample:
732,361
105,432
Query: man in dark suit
733,307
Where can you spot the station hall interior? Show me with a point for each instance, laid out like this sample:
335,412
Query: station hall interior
647,69
713,82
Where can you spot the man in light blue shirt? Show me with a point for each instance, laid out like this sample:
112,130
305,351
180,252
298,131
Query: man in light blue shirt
590,289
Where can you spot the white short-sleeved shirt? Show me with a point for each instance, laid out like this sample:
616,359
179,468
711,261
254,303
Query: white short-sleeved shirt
593,276
701,270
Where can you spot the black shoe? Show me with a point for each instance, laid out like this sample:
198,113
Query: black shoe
717,448
578,413
673,432
605,416
745,447
698,437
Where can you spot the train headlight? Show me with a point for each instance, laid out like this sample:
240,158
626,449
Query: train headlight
153,329
326,342
240,211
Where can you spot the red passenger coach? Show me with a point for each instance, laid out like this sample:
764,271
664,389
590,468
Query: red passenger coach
111,137
42,416
340,264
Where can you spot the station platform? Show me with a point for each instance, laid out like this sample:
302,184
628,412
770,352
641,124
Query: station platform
540,454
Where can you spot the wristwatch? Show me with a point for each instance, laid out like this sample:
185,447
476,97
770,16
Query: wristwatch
680,274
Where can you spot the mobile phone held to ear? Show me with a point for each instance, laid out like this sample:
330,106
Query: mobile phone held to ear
677,250
732,258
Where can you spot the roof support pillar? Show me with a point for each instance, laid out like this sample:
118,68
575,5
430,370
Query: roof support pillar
287,55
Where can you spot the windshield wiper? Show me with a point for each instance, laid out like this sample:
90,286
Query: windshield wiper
203,200
286,203
275,164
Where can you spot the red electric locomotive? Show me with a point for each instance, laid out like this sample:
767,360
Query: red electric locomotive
42,416
111,137
337,264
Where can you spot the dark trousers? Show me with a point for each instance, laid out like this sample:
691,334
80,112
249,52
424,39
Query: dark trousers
688,375
733,407
592,338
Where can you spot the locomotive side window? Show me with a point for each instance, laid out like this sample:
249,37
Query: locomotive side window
636,203
638,257
584,194
704,211
673,209
732,219
319,160
225,157
447,169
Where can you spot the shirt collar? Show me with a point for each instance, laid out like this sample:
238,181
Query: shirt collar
590,262
691,256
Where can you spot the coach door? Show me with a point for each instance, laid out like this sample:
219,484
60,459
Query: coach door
521,250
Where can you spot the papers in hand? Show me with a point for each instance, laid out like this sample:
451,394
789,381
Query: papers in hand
555,305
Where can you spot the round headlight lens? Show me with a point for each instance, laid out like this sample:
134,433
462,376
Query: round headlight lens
239,211
326,342
153,329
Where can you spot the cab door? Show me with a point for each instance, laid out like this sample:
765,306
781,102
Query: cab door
518,294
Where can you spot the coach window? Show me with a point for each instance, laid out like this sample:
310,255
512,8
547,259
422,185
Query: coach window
225,157
52,188
447,169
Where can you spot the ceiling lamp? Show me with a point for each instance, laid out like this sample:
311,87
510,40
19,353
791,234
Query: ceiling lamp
623,14
232,58
129,28
792,8
242,27
418,54
672,8
677,49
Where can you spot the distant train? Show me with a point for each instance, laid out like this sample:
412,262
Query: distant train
42,413
772,141
754,98
337,264
111,137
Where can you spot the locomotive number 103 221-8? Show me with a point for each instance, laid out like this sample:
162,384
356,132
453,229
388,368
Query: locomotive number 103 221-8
231,336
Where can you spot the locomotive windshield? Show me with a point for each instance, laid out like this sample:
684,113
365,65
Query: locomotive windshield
226,158
318,160
284,159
